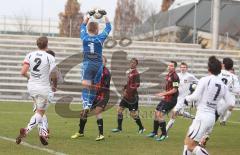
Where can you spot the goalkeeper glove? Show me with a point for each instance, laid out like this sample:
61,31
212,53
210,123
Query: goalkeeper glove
102,12
90,13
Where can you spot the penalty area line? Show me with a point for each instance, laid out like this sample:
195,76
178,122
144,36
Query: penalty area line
33,146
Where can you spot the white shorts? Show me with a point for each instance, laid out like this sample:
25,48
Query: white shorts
202,124
40,96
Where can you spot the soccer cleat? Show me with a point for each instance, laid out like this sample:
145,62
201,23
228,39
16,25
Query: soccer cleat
162,138
192,117
76,135
203,141
22,134
223,123
140,131
151,135
116,130
100,137
43,140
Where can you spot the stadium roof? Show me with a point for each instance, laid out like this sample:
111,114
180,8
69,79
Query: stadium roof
184,16
229,17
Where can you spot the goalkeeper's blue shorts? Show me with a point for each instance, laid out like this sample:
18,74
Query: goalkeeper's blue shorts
92,71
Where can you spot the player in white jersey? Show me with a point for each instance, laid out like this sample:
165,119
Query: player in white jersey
224,109
232,82
210,90
41,66
186,79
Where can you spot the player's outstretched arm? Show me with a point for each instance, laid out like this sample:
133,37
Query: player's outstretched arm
54,78
24,70
236,85
108,27
229,100
89,14
106,31
86,20
83,27
106,19
54,84
197,93
172,91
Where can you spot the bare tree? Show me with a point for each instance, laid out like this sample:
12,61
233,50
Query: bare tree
70,19
142,9
23,24
125,18
148,13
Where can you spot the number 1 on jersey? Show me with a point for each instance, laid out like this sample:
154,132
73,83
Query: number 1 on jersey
91,46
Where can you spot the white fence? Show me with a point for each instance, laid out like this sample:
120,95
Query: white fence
29,26
25,25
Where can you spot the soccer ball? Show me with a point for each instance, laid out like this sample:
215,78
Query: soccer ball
97,15
194,86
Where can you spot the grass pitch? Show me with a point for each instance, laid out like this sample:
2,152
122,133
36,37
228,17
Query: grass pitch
14,115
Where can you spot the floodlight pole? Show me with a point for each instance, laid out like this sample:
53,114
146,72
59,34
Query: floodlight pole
215,23
42,5
195,23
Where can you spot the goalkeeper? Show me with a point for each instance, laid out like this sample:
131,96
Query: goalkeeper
92,56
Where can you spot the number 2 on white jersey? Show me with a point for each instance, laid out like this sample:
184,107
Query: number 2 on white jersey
91,46
38,62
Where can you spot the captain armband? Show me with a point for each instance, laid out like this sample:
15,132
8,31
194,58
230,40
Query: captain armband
175,84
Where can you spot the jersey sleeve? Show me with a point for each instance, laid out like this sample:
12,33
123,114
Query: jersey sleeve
83,31
236,85
52,64
194,79
198,92
27,59
105,32
228,97
59,76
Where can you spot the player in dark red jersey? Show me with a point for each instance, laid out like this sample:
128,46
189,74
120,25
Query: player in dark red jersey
99,104
170,96
130,98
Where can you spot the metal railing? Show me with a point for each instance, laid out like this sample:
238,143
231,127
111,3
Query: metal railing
29,26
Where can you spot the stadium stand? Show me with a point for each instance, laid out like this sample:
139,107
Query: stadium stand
13,49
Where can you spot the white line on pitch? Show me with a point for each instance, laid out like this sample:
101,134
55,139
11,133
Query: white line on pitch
34,147
234,122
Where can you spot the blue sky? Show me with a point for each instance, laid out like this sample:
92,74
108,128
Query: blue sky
32,8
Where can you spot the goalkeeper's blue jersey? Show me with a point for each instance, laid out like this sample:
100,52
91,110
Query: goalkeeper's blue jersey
93,45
